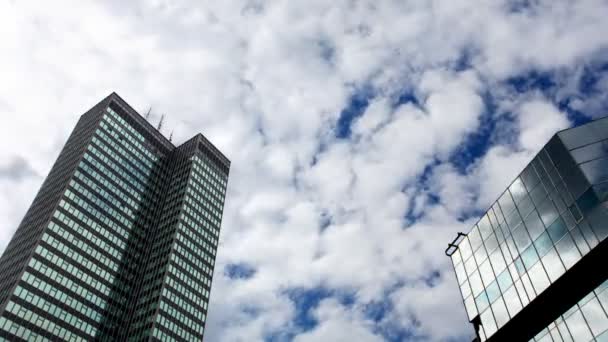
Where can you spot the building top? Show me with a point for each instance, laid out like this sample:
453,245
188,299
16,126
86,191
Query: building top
114,100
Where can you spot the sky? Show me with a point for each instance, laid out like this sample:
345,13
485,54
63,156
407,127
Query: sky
363,135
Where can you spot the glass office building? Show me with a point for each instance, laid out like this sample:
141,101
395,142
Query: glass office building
120,242
533,268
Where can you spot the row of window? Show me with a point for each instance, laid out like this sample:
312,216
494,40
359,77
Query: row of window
85,246
181,261
90,210
71,269
117,196
201,203
196,261
190,280
218,191
136,182
122,121
140,165
134,146
67,283
77,259
200,248
114,238
62,297
220,177
585,321
170,305
167,324
116,158
199,225
106,173
54,311
195,243
214,188
196,297
41,322
197,235
96,197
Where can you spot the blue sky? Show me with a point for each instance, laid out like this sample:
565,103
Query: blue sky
363,135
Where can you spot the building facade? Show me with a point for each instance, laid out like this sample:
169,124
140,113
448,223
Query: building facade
534,267
119,244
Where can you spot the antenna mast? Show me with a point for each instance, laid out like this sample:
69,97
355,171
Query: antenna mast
160,122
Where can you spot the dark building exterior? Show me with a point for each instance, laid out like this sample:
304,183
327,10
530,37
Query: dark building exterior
119,244
535,266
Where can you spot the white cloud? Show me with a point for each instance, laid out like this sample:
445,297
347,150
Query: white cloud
266,82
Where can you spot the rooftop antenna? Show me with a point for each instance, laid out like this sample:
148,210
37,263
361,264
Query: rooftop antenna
147,116
160,122
171,135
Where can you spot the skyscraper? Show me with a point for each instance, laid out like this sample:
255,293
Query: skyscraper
534,267
120,241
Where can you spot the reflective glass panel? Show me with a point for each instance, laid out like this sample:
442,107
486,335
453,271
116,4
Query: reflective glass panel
529,257
518,191
553,265
539,279
476,284
567,251
493,292
486,273
500,312
548,212
557,229
590,152
512,300
595,316
482,301
504,280
484,227
498,262
491,243
474,238
534,224
525,206
543,244
585,134
522,240
529,177
487,320
506,203
578,328
469,304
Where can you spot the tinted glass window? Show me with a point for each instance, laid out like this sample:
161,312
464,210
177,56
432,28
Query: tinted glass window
522,240
534,224
587,201
596,171
525,206
518,191
484,227
548,212
506,203
529,257
475,238
557,151
543,244
557,229
529,177
586,134
590,152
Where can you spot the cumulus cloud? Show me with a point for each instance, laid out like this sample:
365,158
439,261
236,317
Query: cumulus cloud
415,86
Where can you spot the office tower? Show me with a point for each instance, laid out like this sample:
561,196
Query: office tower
534,267
119,244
